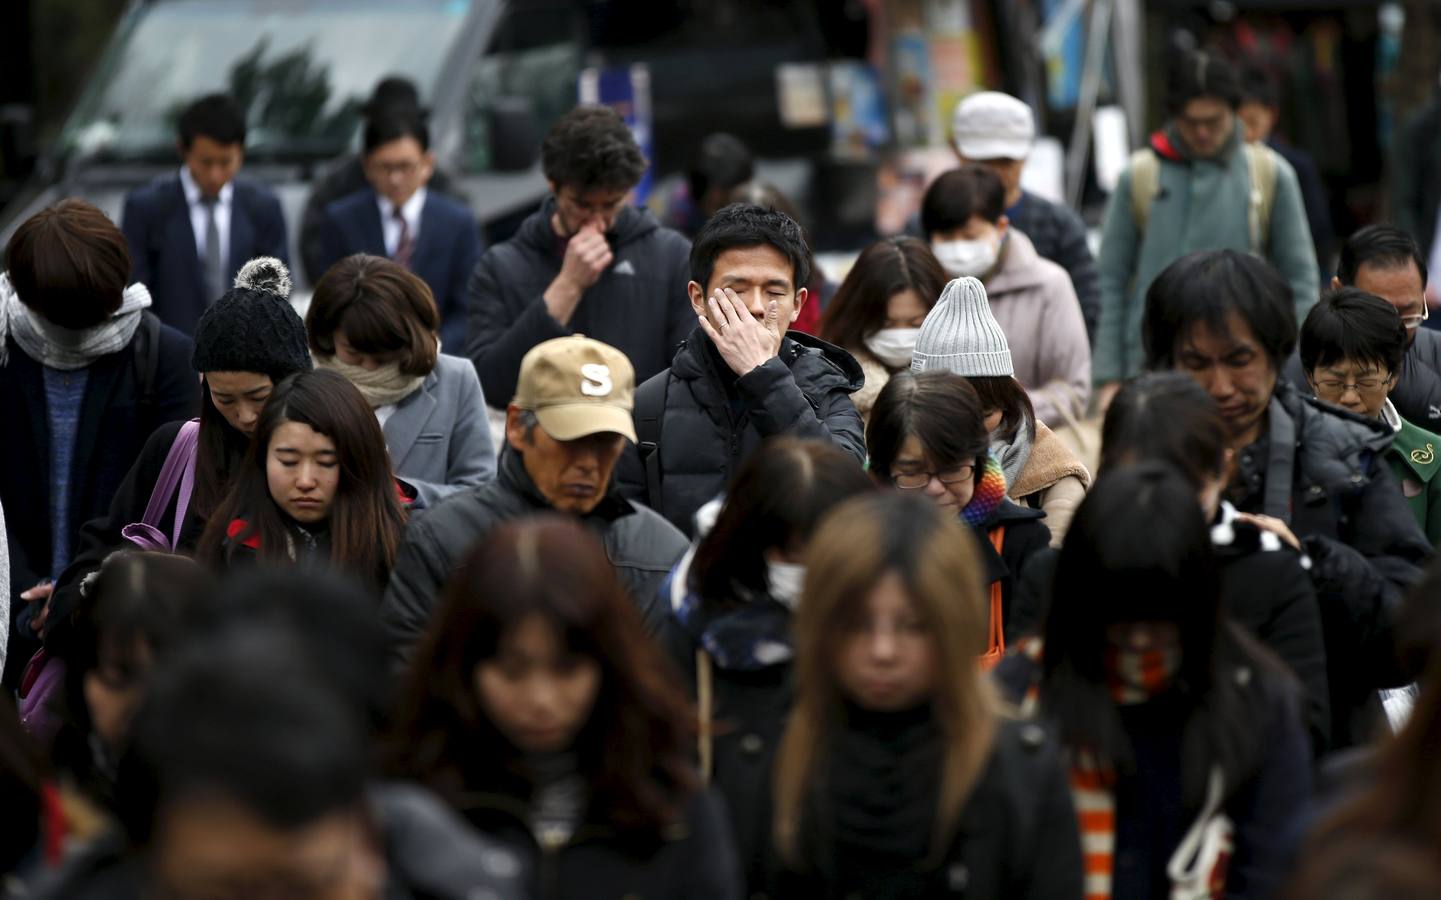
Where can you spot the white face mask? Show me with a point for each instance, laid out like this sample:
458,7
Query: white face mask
893,346
962,258
784,581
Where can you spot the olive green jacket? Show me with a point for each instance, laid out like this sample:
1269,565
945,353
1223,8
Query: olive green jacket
1415,458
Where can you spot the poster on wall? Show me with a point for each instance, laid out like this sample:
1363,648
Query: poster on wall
625,89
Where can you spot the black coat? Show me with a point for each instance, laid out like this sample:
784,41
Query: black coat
114,424
639,305
749,710
705,433
641,546
1267,592
1026,535
690,860
1017,836
1365,546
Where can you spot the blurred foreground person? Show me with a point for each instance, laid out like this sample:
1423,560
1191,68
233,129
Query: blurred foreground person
1189,763
247,775
897,776
733,599
540,709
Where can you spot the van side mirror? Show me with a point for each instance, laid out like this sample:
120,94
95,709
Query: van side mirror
514,134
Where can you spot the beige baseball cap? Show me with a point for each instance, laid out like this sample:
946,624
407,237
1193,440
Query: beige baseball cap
578,387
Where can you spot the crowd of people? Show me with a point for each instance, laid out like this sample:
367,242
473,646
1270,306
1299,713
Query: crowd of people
612,561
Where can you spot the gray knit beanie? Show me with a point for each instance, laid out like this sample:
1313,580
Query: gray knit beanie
960,335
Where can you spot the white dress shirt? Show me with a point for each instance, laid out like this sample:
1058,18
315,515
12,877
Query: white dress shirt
391,228
199,215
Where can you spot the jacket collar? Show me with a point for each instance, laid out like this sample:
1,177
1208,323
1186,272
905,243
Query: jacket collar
511,473
1018,267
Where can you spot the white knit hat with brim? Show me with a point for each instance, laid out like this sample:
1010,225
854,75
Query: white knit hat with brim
960,335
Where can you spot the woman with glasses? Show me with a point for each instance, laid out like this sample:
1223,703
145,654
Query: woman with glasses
928,435
1352,344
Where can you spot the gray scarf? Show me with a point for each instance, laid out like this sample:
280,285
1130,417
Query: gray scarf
67,349
1017,453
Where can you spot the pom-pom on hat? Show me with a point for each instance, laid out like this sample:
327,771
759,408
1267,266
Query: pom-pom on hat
961,335
253,327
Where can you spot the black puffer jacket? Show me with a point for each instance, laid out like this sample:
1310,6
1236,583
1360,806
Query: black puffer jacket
1329,481
1017,838
702,432
639,305
639,543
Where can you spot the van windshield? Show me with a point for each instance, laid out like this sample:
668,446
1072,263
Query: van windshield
300,68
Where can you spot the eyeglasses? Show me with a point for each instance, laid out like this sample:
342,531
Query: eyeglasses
1369,383
1412,322
914,481
389,169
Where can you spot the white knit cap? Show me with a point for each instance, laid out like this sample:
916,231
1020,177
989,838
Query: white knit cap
992,125
960,335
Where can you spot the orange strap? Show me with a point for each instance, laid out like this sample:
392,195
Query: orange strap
996,643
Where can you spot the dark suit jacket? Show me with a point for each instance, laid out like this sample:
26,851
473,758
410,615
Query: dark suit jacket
162,244
444,254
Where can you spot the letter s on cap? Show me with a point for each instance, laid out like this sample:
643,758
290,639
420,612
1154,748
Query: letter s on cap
597,381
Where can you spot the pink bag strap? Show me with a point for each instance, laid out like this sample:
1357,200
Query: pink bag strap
177,473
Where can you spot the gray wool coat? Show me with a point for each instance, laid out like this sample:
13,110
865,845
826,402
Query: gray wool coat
439,436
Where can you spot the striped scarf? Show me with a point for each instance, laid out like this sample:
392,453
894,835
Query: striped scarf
989,493
1134,677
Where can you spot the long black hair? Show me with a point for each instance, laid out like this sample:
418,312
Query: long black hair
1139,550
365,517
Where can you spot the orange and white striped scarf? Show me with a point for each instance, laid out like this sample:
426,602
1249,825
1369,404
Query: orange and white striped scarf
1134,677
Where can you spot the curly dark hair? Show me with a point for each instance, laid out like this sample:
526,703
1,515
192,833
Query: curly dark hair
591,147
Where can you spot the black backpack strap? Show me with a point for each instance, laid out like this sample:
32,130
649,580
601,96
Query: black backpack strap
650,400
146,356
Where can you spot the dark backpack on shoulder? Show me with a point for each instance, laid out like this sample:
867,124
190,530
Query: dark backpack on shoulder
146,357
650,399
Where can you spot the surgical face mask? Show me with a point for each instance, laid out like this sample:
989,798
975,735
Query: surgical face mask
893,346
973,258
784,581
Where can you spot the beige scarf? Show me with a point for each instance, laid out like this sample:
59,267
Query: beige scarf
380,387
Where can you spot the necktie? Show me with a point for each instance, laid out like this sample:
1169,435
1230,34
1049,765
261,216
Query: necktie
405,244
214,267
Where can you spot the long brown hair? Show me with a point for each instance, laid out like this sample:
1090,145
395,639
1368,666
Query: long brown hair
380,306
884,269
633,749
860,542
365,517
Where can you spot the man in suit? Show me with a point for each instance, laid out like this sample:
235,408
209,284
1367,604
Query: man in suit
397,217
190,233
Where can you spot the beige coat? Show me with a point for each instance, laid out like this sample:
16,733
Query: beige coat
1054,481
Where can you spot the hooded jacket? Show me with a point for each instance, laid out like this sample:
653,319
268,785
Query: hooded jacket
639,544
705,422
1322,470
639,305
1036,306
1200,204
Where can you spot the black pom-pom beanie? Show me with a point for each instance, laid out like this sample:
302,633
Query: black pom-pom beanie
253,327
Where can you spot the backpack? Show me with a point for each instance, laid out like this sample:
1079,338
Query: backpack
650,400
1145,168
146,357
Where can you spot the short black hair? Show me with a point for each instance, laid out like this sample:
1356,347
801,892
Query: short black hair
1352,324
941,409
1259,86
1384,246
748,225
591,147
1203,288
245,718
215,116
1201,73
392,91
393,124
722,160
952,199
